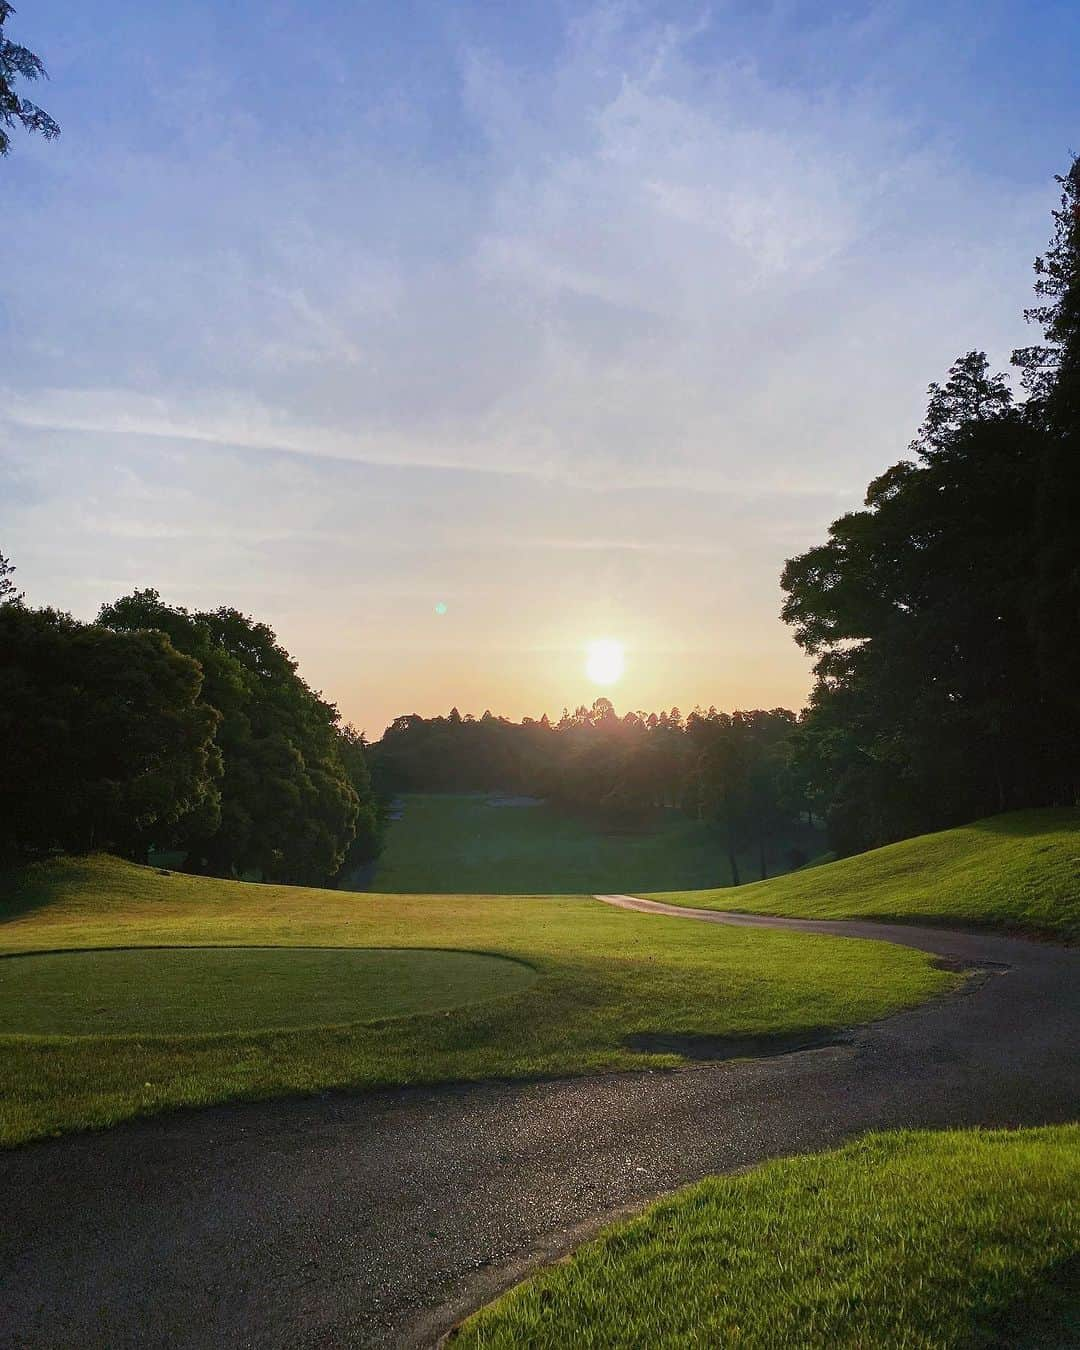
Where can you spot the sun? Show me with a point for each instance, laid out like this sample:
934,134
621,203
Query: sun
604,661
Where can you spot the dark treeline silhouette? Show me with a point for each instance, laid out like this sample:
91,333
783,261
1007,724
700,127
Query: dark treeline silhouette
733,769
160,728
945,617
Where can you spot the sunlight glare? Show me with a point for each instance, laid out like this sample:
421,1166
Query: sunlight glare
604,661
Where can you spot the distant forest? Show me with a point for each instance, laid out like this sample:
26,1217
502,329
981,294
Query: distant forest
944,618
731,768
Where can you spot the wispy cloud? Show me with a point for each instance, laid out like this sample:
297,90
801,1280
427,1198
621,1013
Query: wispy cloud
649,273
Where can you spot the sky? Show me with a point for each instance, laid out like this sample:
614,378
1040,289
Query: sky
450,337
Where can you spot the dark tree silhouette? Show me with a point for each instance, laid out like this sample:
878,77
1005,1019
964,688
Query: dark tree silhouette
945,617
290,805
106,743
19,63
8,594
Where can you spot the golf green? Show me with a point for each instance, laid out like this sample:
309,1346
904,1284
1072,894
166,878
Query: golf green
191,990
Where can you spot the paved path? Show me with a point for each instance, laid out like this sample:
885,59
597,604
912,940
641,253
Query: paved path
377,1220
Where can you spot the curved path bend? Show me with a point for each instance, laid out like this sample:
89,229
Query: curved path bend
379,1219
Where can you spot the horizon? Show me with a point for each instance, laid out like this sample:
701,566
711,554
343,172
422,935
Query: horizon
546,330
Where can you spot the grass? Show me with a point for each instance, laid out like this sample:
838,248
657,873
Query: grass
458,843
906,1240
602,976
1018,872
178,991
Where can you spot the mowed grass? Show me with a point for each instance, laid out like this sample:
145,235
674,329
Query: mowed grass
183,990
903,1240
1019,872
458,843
601,976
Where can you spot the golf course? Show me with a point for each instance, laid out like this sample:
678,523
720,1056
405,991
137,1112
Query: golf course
469,842
127,991
540,676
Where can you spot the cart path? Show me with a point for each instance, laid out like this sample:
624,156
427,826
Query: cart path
378,1219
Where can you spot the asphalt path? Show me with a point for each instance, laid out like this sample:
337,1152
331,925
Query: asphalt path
379,1219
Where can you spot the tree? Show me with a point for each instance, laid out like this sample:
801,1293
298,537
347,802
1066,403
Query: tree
370,826
741,777
106,741
288,808
8,594
19,63
1052,374
945,617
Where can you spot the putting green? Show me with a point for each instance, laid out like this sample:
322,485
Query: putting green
190,990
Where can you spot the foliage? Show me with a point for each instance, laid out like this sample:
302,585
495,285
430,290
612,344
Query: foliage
289,807
602,975
18,63
727,769
106,741
8,594
945,616
908,1239
1019,872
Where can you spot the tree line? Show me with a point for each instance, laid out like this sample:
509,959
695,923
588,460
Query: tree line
734,770
945,616
159,728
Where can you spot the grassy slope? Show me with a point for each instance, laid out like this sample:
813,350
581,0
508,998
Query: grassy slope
450,843
1019,872
603,974
913,1239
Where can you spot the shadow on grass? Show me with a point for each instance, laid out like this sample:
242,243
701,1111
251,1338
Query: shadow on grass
37,885
1044,1318
707,1048
1028,824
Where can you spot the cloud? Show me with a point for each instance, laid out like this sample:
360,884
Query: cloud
588,326
655,273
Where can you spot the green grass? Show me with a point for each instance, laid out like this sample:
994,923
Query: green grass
178,991
602,975
1018,872
902,1240
460,844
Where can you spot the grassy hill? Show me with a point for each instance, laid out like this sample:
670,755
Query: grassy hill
964,1238
446,843
1019,872
197,990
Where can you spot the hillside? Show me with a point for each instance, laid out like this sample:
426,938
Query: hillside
1019,872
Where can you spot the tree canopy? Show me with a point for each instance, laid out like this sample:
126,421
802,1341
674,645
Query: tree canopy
945,616
189,732
289,808
729,768
19,63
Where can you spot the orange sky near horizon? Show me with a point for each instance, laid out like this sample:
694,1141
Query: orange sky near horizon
458,666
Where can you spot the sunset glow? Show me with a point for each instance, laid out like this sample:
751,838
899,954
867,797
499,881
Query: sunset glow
605,661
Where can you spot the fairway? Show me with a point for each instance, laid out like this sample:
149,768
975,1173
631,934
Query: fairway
461,843
1018,872
607,987
915,1239
178,991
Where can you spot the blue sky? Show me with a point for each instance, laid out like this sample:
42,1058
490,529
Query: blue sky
578,318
